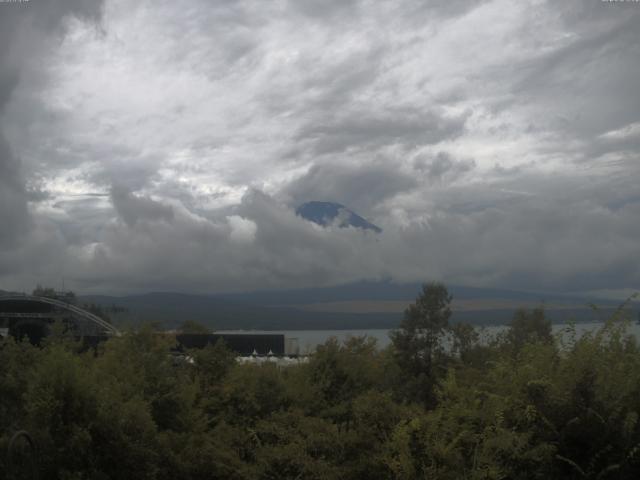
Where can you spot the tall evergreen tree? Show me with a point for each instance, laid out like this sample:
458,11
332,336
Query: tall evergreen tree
417,342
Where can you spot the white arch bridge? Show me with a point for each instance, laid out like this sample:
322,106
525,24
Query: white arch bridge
33,316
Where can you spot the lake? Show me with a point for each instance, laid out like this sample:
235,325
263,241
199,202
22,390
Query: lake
308,340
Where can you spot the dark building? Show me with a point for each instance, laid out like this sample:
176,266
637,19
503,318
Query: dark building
32,317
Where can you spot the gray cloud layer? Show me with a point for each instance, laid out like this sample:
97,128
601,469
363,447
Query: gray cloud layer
165,145
24,32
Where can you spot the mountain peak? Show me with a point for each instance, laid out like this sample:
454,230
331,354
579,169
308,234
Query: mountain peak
327,213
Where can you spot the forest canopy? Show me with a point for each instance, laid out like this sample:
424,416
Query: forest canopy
437,403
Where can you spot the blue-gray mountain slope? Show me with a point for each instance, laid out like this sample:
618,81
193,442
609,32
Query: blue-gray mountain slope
326,213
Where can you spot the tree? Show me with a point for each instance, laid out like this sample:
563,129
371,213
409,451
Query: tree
41,291
191,326
529,327
417,342
465,339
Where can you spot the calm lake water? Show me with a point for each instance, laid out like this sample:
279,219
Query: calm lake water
308,340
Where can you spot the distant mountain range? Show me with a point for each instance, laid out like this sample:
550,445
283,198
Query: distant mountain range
363,305
329,213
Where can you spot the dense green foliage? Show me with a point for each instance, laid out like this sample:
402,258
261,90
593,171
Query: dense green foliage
523,405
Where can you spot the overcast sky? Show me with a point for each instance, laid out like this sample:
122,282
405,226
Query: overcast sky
164,145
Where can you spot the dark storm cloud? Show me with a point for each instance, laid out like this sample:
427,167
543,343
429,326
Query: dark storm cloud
445,8
133,208
590,82
412,11
336,84
262,244
125,169
24,28
358,186
13,197
443,165
496,143
363,130
79,218
8,78
325,8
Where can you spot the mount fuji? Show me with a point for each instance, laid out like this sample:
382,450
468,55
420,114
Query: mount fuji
329,213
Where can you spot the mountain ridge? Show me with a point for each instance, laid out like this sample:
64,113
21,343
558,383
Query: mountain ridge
329,213
361,305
